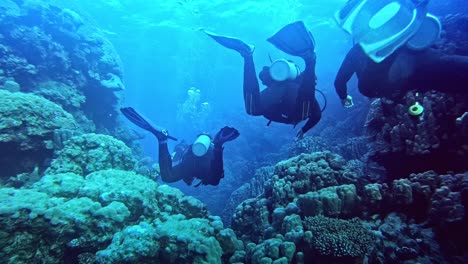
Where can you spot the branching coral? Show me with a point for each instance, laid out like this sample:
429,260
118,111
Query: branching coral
339,238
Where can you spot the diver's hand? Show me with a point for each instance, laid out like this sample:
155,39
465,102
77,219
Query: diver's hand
348,102
300,135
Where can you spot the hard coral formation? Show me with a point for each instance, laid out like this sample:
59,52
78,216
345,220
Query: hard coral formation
27,126
338,238
92,152
66,96
403,143
28,121
109,216
307,172
304,190
42,43
54,54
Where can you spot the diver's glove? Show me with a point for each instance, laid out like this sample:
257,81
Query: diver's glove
348,101
224,135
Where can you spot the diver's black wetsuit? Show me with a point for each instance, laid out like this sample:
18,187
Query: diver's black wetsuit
187,166
286,102
404,70
208,168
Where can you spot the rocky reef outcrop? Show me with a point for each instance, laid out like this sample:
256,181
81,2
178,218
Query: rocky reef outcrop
57,68
322,205
404,144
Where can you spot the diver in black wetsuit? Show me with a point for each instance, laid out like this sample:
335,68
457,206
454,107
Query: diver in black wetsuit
202,160
284,100
401,72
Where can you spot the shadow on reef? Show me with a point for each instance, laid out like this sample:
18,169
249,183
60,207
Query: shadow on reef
15,162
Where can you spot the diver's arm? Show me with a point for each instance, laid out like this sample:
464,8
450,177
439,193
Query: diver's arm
346,71
217,166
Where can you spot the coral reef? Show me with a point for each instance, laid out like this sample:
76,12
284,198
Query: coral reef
251,189
27,125
92,152
404,144
28,121
43,45
109,216
305,191
53,53
342,239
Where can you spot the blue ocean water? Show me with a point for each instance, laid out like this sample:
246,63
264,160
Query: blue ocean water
180,79
165,53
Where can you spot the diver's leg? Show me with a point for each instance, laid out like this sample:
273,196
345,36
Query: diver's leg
217,167
251,88
314,117
165,163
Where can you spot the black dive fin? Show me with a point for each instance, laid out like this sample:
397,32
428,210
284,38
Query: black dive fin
226,134
293,39
140,121
232,43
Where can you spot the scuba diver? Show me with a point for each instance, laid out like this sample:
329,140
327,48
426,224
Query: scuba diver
401,72
202,160
289,97
395,57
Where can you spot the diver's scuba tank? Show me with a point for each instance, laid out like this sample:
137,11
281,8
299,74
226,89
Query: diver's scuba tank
201,145
282,70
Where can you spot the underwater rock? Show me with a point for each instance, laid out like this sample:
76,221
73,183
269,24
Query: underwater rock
10,86
66,96
273,250
335,201
402,193
304,173
251,189
109,216
42,43
88,153
404,144
27,126
373,195
252,215
453,38
28,121
400,241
